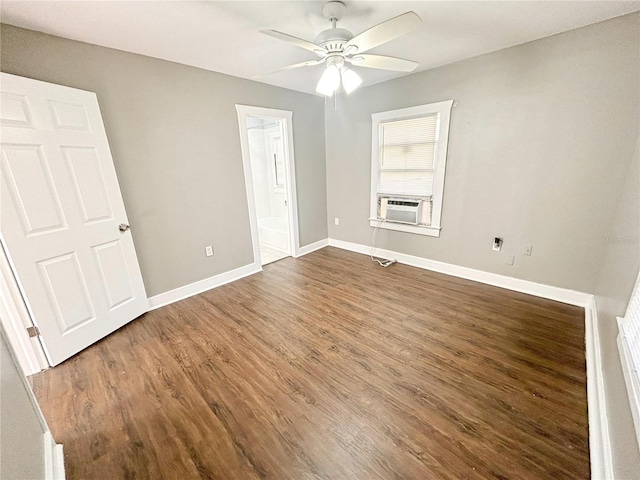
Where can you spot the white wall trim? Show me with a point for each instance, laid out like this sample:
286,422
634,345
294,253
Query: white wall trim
195,288
403,227
312,247
558,294
599,440
53,458
200,286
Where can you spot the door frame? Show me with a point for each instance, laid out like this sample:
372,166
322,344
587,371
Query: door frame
16,318
286,119
53,457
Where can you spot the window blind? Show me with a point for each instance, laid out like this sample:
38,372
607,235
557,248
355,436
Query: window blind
629,345
407,149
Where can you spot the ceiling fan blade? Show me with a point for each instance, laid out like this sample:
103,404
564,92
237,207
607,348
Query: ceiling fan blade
299,42
385,32
383,62
310,63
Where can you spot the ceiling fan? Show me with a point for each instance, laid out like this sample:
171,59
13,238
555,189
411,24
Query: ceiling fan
337,47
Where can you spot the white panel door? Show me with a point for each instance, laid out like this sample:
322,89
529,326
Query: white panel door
60,211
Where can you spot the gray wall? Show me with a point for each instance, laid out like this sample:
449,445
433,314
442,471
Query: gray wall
615,283
541,152
539,145
174,137
21,433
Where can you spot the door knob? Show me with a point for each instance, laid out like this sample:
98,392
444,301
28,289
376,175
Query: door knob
123,227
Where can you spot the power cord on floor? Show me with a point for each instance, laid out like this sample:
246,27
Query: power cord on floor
383,262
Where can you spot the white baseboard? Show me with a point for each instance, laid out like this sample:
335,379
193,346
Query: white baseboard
563,295
312,247
53,458
195,288
599,440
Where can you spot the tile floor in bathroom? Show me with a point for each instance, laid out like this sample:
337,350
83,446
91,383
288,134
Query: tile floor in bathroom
270,255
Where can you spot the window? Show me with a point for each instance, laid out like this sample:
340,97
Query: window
408,156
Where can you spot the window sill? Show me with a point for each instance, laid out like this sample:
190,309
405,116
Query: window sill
402,227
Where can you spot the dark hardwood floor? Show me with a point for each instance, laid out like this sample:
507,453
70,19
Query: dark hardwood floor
330,367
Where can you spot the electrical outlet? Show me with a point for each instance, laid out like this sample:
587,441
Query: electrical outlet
209,251
497,244
509,259
526,250
336,221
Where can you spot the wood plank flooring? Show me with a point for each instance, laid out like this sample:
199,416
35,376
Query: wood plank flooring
330,367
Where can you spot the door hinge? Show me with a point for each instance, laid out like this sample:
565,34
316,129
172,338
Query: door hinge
33,331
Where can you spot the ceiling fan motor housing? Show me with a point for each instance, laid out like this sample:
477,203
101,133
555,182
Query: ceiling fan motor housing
333,40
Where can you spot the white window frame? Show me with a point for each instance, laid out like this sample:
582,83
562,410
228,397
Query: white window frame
443,110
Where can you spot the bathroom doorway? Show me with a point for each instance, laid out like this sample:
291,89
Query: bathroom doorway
266,141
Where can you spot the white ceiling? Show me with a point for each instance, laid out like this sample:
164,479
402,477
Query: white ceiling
224,36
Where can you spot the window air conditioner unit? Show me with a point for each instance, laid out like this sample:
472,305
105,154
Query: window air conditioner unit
401,210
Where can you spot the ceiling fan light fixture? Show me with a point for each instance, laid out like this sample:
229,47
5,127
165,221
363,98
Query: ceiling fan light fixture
329,81
350,80
337,46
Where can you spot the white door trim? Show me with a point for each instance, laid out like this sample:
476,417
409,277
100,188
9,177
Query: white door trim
286,118
15,319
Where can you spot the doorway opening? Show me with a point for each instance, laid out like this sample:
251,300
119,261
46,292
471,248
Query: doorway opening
267,149
267,166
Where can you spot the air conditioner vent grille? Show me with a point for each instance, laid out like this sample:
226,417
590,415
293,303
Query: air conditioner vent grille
406,203
401,210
